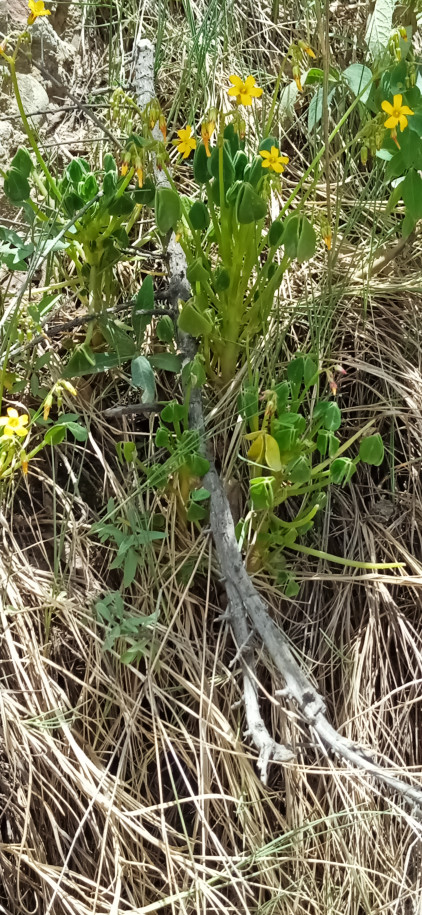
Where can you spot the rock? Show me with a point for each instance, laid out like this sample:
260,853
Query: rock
34,97
56,55
35,102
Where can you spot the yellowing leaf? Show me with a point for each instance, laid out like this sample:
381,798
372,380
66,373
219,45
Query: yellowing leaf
272,454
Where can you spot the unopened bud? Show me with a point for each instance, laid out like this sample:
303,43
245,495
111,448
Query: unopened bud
47,406
162,125
364,155
68,387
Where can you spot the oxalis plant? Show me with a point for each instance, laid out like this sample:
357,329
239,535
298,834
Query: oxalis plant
236,261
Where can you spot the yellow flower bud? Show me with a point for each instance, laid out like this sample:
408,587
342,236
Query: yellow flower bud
47,406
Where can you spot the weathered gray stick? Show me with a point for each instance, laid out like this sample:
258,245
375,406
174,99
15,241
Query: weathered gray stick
143,82
245,605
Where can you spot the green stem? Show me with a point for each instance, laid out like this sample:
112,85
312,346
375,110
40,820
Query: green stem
354,564
29,132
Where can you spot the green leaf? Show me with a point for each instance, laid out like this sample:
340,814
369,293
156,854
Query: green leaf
262,493
22,162
145,296
371,450
75,171
199,215
221,279
295,371
165,329
314,75
82,364
196,272
193,372
130,566
126,452
117,339
342,470
199,495
197,465
143,377
248,403
299,470
411,191
193,322
310,371
291,235
162,437
173,412
307,241
72,202
228,167
275,234
79,432
379,28
292,588
329,413
408,225
250,207
55,435
167,362
121,206
240,162
168,209
109,164
200,165
16,187
196,512
316,107
145,195
357,76
288,99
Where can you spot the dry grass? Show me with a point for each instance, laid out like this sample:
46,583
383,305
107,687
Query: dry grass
129,789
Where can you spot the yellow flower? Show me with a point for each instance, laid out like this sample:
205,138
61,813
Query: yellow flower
36,8
186,142
328,240
140,174
13,423
207,130
124,168
264,450
307,49
273,160
162,125
396,112
244,92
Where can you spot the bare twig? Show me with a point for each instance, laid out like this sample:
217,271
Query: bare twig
179,289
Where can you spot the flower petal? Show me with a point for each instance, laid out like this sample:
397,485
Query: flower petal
403,122
391,122
272,454
255,92
245,98
256,451
397,100
406,110
264,153
249,83
387,107
236,81
12,413
233,91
